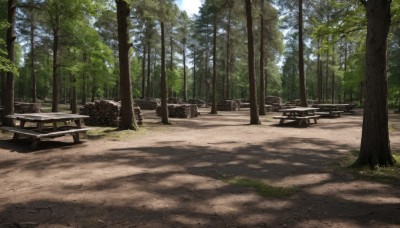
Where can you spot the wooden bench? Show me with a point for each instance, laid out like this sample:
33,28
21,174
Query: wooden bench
37,135
303,120
329,114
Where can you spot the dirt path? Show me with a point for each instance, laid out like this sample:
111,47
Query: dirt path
173,176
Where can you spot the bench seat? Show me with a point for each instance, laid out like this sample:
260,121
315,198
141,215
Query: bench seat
302,119
37,135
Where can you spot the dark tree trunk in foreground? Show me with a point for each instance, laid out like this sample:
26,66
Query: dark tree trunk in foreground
143,71
262,76
128,120
164,91
303,97
375,145
254,119
148,88
214,77
56,78
8,91
33,55
184,73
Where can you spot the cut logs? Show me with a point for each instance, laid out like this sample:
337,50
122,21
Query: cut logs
148,104
180,111
20,107
106,113
228,105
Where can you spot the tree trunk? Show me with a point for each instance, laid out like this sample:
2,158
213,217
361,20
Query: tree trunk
56,78
375,145
143,71
228,55
73,96
128,120
33,56
194,74
184,74
333,75
148,88
254,118
262,76
303,97
9,80
214,78
319,75
164,91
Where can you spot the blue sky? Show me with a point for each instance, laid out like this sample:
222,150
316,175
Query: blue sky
190,6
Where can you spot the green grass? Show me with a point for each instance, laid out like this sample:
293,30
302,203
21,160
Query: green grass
390,175
260,187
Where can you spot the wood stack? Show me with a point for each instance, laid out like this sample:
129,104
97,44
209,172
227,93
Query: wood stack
228,105
276,102
180,111
199,103
20,107
106,113
175,100
147,104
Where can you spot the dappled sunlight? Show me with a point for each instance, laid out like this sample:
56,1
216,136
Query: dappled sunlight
305,179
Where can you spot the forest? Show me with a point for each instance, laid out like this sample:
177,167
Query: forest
72,45
75,51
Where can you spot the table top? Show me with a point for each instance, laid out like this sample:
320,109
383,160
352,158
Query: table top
329,105
298,109
51,116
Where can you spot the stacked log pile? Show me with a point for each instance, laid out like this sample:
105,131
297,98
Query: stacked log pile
180,111
276,102
199,103
106,113
175,100
148,104
228,105
20,107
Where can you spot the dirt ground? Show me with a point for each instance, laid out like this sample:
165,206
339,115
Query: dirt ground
173,176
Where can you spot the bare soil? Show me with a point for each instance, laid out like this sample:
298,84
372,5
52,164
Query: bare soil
172,176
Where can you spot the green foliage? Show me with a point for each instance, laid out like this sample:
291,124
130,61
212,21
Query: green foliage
175,80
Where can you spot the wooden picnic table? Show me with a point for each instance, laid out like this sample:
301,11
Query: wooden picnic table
330,110
300,114
40,130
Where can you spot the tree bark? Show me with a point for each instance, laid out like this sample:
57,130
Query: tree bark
56,78
214,78
375,146
184,73
143,71
33,55
164,91
254,118
128,120
9,80
227,95
148,88
319,74
262,75
303,97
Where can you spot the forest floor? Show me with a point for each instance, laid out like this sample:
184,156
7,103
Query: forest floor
210,171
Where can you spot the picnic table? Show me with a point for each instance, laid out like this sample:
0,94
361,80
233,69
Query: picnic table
40,130
330,110
301,114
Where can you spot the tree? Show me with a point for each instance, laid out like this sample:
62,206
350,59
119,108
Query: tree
375,146
303,97
254,119
262,58
128,120
9,80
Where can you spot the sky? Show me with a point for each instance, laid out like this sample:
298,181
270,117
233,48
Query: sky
190,6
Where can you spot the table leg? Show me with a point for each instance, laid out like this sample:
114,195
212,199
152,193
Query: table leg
75,136
40,126
78,123
35,143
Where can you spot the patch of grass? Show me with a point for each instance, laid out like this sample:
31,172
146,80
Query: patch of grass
113,133
260,187
389,175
